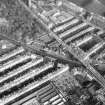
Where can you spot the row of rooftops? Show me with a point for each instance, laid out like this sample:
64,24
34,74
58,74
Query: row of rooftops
55,12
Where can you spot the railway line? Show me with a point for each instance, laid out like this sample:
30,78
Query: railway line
26,76
81,35
24,70
22,73
69,33
81,42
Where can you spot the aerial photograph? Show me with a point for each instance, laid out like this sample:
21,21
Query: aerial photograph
52,52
